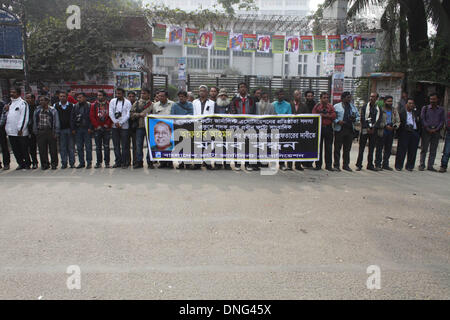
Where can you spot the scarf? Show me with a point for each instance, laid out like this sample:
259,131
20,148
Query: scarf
367,113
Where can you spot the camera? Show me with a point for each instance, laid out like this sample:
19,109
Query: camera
409,128
324,111
433,127
352,117
118,115
78,119
369,123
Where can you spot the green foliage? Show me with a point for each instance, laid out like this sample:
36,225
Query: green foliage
173,91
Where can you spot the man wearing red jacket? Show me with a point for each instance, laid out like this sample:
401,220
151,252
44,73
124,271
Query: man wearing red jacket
71,96
326,110
102,128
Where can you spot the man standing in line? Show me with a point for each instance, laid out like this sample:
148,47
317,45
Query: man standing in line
344,127
281,107
371,117
4,143
213,93
119,112
408,137
71,94
66,138
203,105
433,120
102,124
386,133
297,106
163,106
310,102
446,153
138,114
15,118
32,143
326,110
46,127
132,132
82,129
257,94
264,104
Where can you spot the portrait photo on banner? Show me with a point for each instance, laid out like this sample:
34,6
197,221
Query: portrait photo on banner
161,135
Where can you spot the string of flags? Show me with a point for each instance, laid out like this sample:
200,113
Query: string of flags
219,40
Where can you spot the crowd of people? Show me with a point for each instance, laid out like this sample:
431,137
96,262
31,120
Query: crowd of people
71,122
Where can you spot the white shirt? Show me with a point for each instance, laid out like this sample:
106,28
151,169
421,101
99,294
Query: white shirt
17,118
124,107
410,119
209,107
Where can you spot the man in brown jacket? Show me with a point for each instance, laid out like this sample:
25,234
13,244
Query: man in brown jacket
138,114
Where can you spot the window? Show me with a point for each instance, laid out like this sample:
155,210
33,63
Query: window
354,60
318,71
242,54
300,58
305,58
286,69
354,72
318,58
299,69
305,70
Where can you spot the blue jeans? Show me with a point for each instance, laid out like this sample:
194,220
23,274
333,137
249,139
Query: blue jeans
67,147
102,140
446,155
121,143
84,139
140,138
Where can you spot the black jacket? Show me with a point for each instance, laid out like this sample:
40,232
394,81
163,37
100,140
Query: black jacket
365,124
84,111
403,119
235,105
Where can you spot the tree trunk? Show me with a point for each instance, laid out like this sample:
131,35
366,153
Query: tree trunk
403,26
418,25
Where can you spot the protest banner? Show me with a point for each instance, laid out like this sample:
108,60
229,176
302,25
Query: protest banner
263,44
278,44
292,44
221,41
320,43
236,41
234,138
334,43
191,38
205,40
176,35
249,42
306,44
159,33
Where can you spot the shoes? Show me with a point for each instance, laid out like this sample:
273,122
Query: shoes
337,169
421,168
330,169
35,166
20,168
6,167
348,169
358,168
388,168
398,169
98,166
54,167
371,168
150,165
72,166
45,168
410,169
432,169
107,166
299,167
64,166
125,166
81,166
443,170
317,168
117,166
378,169
138,165
89,166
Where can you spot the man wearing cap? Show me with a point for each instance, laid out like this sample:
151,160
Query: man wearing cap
222,106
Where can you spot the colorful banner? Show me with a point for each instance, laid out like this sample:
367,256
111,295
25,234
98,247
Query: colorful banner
320,44
334,43
92,90
350,42
278,44
221,41
205,41
220,138
306,44
236,41
159,33
263,45
128,80
368,43
176,35
249,42
191,38
337,87
292,44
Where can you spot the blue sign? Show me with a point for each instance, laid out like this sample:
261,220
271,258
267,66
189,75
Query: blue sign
6,17
10,35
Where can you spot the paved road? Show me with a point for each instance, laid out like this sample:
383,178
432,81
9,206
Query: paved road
166,234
